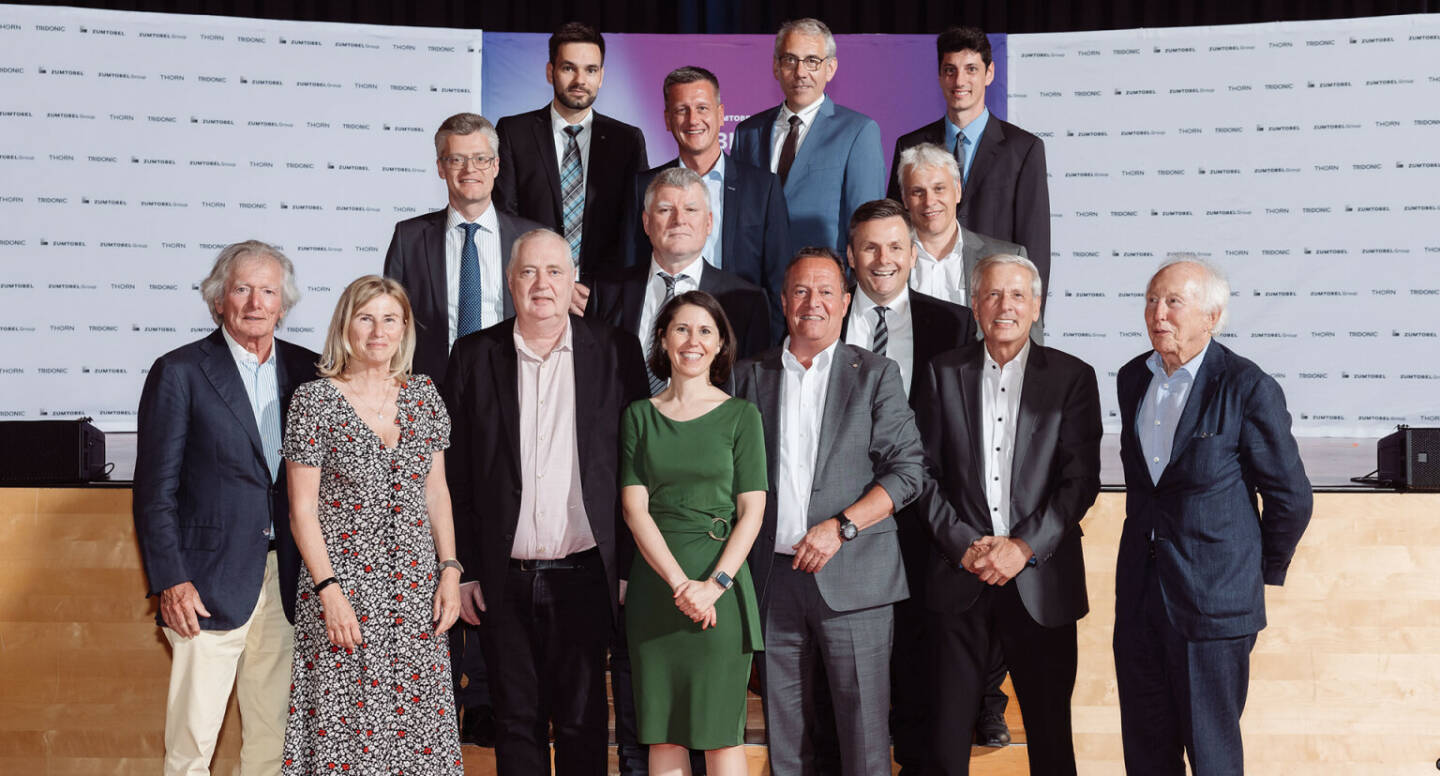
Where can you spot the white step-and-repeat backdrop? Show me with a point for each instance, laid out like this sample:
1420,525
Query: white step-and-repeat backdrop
1304,159
134,146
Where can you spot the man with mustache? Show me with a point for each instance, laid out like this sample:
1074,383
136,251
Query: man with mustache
568,167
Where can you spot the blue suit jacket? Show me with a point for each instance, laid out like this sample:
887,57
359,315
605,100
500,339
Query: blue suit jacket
755,236
203,493
839,167
1214,549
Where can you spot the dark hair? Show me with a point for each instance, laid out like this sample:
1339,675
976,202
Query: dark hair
816,252
688,75
950,41
578,32
724,360
879,210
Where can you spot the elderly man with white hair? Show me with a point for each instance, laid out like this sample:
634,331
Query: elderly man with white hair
1203,433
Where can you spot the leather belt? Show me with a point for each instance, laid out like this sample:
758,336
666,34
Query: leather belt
578,560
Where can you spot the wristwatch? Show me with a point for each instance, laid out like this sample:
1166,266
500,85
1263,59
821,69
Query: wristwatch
450,563
723,580
847,528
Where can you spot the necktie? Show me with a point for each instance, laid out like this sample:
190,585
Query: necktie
470,301
656,384
882,332
572,192
787,151
962,141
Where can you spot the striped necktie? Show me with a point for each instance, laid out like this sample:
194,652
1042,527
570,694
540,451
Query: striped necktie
572,192
882,332
656,384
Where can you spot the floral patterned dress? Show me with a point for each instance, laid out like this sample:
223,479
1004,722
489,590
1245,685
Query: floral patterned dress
387,706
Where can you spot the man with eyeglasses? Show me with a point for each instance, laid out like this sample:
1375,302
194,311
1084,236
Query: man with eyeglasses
828,157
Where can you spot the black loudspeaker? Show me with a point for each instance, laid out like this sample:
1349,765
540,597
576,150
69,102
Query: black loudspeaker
51,452
1410,458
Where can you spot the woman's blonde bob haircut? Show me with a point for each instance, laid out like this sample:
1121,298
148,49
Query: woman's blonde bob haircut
337,353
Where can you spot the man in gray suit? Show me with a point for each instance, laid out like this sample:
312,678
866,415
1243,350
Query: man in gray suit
844,455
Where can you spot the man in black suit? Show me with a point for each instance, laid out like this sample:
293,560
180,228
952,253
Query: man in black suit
677,219
212,514
751,237
568,167
913,329
452,261
1203,433
1012,433
1002,166
536,403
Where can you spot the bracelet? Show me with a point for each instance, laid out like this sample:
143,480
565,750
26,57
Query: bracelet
451,563
324,583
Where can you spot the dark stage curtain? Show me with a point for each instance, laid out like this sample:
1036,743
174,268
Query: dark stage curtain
759,16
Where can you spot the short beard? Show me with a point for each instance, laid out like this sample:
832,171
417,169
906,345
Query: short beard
574,104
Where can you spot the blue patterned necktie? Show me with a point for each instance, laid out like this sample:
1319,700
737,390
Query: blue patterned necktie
572,192
882,332
470,301
960,153
656,384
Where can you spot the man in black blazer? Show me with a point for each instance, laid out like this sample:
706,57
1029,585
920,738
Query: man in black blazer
751,237
536,403
568,167
212,514
1203,433
1003,166
1012,432
452,261
677,218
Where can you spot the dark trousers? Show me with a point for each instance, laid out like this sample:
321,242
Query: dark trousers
545,650
1042,665
467,659
1177,696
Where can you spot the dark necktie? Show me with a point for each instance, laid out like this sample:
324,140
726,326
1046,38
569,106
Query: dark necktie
572,192
787,151
470,301
882,332
656,384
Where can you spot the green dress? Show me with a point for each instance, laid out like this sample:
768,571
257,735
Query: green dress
690,684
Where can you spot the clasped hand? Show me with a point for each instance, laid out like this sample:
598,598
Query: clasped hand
996,559
695,598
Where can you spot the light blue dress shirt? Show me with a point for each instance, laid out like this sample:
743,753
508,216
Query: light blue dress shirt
262,388
1161,409
715,187
973,132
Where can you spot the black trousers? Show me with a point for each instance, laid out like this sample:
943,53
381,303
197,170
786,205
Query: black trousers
467,659
544,649
1042,664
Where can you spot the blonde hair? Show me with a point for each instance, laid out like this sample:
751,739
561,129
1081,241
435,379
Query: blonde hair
337,352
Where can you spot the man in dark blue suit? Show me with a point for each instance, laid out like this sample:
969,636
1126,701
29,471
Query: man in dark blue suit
751,237
828,158
1203,432
212,515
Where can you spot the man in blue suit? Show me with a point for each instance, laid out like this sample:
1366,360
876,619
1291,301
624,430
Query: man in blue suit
751,237
212,515
1203,432
828,157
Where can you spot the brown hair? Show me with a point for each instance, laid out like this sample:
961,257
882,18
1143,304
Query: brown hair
724,360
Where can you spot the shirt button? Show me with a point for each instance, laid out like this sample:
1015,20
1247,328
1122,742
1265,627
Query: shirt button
1157,422
1157,459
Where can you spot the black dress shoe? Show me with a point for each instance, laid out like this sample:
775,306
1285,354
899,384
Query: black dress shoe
477,726
991,730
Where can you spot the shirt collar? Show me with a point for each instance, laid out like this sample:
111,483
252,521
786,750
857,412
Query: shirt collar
955,250
693,270
821,361
566,343
973,130
717,173
558,122
1190,368
487,220
1020,359
899,306
243,356
806,114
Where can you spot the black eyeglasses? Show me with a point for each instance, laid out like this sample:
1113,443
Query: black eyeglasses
789,61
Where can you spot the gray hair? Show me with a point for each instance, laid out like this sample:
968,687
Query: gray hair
465,124
805,26
982,266
928,155
529,237
680,177
214,286
1214,286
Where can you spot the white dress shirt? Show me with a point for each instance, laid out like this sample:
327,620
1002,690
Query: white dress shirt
687,279
901,347
782,128
999,406
942,277
1162,407
492,273
562,139
715,187
802,407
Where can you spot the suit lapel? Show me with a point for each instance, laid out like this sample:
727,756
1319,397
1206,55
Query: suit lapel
508,227
985,155
1034,398
599,146
432,239
545,147
731,201
769,382
971,245
504,369
817,137
844,374
1201,392
972,402
224,376
632,301
926,333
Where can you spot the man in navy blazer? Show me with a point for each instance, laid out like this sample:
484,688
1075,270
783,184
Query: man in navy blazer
751,237
1203,433
828,158
1007,195
212,515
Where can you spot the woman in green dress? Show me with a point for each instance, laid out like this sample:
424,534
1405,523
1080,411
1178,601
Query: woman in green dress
693,481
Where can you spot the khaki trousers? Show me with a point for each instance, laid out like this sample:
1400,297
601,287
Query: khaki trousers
254,659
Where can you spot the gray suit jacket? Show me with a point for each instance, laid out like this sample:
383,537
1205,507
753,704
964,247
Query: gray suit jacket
867,437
